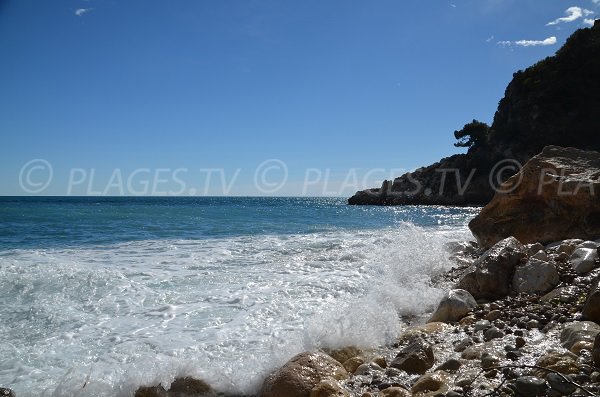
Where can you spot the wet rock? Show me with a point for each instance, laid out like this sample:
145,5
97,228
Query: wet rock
352,364
481,325
519,342
451,364
489,277
543,205
466,379
583,260
4,392
578,331
562,294
301,374
561,384
462,344
536,276
565,363
430,385
367,369
489,360
343,354
422,331
181,387
380,361
540,255
416,358
493,315
578,347
455,304
492,333
329,388
531,386
532,249
395,392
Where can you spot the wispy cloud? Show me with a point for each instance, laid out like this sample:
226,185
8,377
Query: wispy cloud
572,14
489,39
454,5
82,11
596,1
532,43
589,21
528,43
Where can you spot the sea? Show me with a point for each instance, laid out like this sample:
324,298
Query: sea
99,295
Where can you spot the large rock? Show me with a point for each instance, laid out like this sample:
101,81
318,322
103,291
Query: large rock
299,376
536,276
416,358
490,276
583,259
596,351
578,331
591,309
455,304
555,196
181,387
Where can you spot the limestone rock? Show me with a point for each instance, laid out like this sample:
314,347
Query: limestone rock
490,275
584,259
455,304
536,276
553,197
578,331
416,358
301,374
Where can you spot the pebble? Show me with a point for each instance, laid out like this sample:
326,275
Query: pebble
481,325
520,342
492,333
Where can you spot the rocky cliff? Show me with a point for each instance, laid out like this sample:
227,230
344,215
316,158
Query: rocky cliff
553,102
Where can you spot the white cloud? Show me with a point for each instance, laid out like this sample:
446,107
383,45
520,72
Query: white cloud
589,21
572,14
596,1
81,11
531,43
492,38
528,43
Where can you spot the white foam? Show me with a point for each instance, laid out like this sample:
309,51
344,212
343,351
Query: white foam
100,321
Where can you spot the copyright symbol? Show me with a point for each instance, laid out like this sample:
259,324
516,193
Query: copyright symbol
270,176
35,176
501,168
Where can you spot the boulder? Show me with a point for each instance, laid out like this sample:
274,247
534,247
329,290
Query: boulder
578,331
299,376
344,353
591,309
584,259
553,197
329,388
455,304
489,277
181,387
531,386
416,358
536,276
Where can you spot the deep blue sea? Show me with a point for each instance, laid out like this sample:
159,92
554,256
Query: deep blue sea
114,293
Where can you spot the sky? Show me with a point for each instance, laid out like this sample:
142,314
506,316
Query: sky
244,97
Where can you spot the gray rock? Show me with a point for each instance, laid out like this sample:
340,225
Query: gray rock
416,358
451,364
455,304
540,255
532,249
583,259
589,244
536,276
481,325
492,333
531,386
596,351
489,360
489,277
578,331
558,383
4,392
367,369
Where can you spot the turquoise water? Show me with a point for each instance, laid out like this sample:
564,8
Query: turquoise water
114,293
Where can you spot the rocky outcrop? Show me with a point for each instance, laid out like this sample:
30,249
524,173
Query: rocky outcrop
300,375
553,102
455,304
490,276
555,196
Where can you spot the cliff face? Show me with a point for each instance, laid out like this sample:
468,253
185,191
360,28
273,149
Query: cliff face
554,102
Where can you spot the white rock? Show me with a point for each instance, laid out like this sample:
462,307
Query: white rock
583,259
454,306
535,276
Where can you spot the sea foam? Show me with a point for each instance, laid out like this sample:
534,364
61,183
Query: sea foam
103,320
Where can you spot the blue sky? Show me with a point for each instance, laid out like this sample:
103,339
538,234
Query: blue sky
336,93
